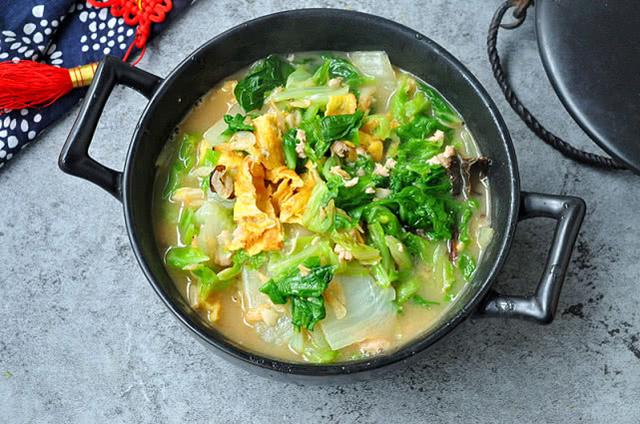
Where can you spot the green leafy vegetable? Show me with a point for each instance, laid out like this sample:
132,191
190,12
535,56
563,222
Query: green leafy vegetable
263,76
384,272
300,78
341,127
406,108
294,283
343,221
236,123
365,254
441,109
418,105
310,112
289,143
357,195
419,247
421,301
420,128
421,211
256,261
304,290
412,168
280,264
187,226
239,259
316,145
464,211
210,158
381,125
399,99
337,67
208,281
399,253
383,216
320,212
182,165
318,96
185,257
409,104
443,270
320,132
307,312
317,350
406,289
420,191
467,265
187,152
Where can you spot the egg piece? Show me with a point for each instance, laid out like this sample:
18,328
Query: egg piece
258,228
341,105
372,145
294,204
269,140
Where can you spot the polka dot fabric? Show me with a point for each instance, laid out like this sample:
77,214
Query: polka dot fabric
63,33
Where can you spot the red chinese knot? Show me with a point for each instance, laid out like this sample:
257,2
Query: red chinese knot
139,13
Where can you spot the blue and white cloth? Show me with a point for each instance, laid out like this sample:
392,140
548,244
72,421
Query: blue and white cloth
63,33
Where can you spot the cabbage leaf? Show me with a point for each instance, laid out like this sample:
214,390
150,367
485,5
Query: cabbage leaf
370,310
304,289
262,77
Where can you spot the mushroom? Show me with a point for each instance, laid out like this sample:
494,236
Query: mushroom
464,173
221,182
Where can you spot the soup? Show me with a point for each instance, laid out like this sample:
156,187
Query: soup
322,207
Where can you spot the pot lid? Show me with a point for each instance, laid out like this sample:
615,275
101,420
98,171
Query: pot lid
591,53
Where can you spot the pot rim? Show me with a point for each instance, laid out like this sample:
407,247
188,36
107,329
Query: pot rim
413,347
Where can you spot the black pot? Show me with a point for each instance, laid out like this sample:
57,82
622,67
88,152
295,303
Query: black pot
170,99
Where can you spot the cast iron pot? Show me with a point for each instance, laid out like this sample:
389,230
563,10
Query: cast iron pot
170,99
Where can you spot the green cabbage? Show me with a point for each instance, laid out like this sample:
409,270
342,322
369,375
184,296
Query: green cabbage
182,164
320,211
262,77
304,290
370,310
185,257
213,217
318,96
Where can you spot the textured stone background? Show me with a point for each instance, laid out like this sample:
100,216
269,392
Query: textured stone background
83,338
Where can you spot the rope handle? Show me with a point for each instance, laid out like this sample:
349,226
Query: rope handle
569,151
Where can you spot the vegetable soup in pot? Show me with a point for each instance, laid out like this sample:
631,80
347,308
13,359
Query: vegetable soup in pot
323,207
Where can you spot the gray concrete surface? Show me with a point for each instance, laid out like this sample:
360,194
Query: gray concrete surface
83,338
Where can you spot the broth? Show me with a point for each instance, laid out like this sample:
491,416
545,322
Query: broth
272,333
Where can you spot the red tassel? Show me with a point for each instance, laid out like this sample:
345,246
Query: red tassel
26,84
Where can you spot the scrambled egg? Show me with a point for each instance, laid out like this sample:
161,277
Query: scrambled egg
292,202
269,140
372,145
341,105
258,228
230,159
267,193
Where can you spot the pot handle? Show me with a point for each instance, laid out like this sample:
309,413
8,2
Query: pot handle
74,158
541,307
